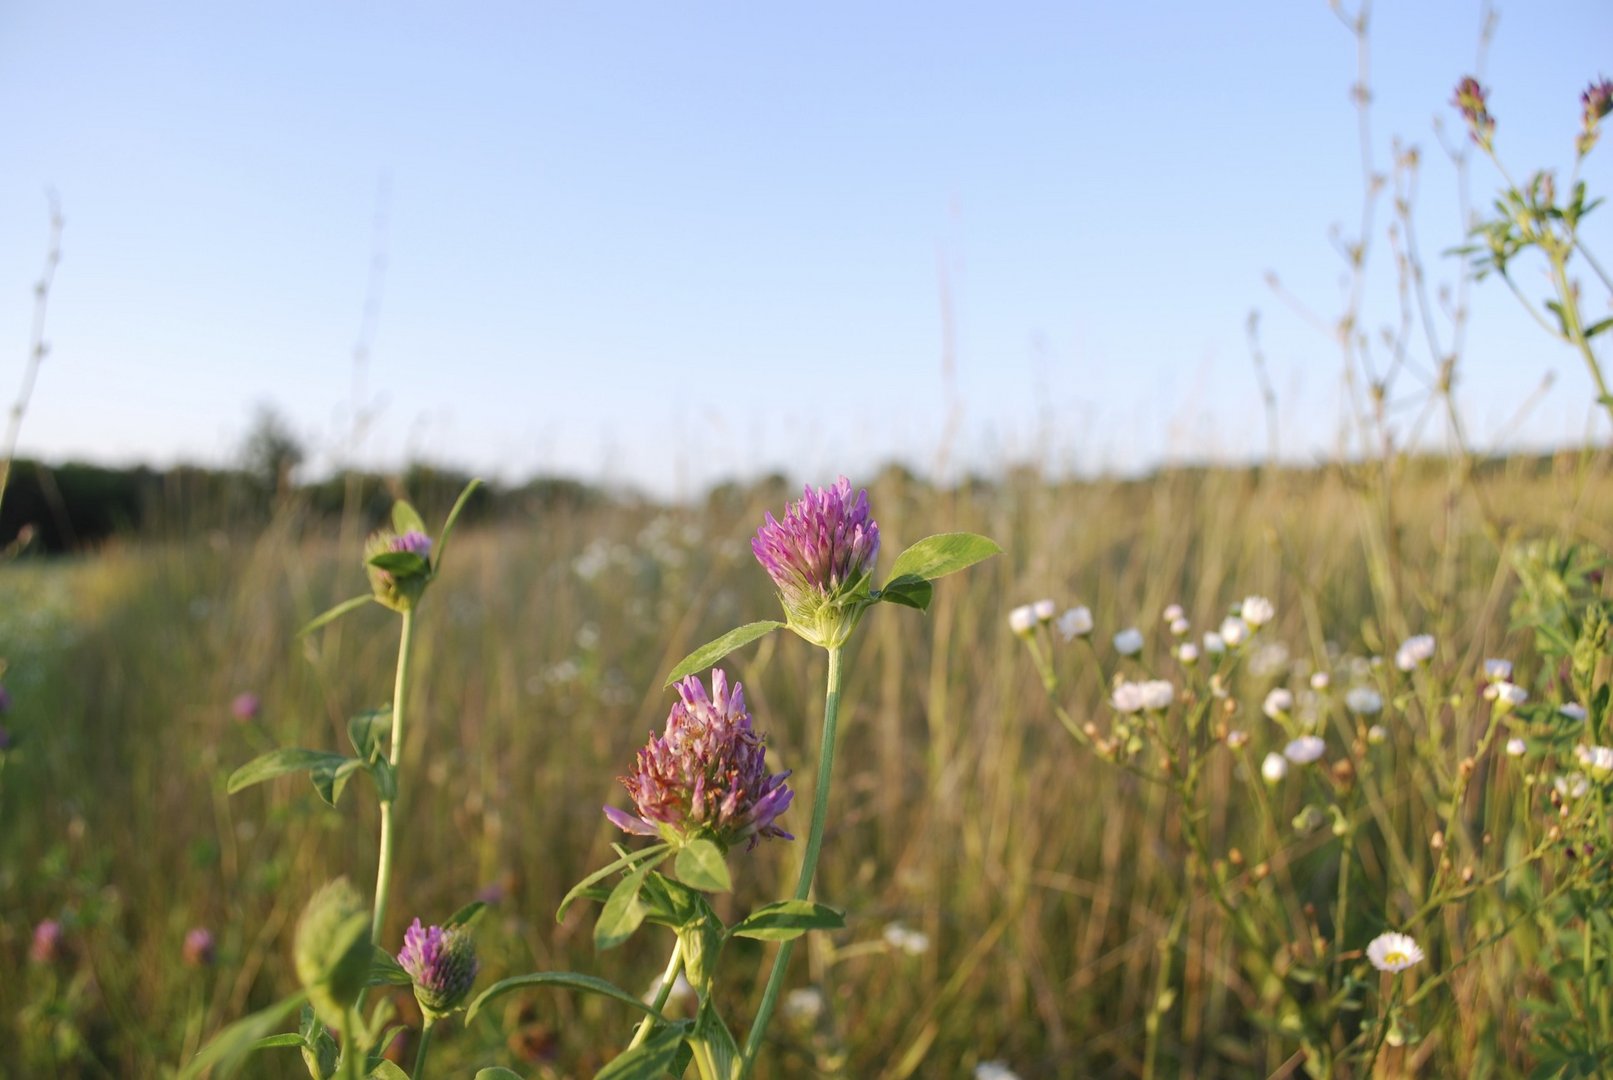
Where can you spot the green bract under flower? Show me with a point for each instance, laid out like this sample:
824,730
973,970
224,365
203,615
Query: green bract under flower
399,566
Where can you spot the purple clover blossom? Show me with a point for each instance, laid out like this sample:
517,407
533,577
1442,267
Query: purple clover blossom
414,542
821,557
707,774
198,950
246,706
398,590
46,947
1471,99
442,964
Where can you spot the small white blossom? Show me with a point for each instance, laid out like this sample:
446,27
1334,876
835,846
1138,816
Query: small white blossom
1022,620
1174,612
1269,659
1180,627
1574,711
1127,698
1516,747
1507,696
1305,749
1377,734
1414,651
1044,610
804,1004
1279,703
1394,952
1256,611
1498,670
1187,652
1320,680
1597,759
1214,644
1158,695
1237,739
1363,701
994,1070
1572,785
1129,642
911,942
1077,622
1274,768
682,993
1234,631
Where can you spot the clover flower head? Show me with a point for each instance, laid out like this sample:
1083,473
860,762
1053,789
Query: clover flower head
1074,623
198,949
821,558
442,964
1363,701
1274,768
1598,102
46,947
1471,99
706,775
398,586
1415,651
1129,642
1257,611
1279,703
1234,631
1597,760
246,706
1022,620
1305,749
1394,952
1516,747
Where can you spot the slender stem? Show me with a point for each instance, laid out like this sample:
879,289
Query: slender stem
674,965
383,871
425,1045
352,1053
809,862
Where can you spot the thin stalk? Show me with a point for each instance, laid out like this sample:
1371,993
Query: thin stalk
352,1053
674,965
420,1054
383,870
809,863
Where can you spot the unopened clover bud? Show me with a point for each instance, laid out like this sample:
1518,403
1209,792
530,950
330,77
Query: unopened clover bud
1090,730
46,947
399,566
1022,620
442,965
332,950
1554,834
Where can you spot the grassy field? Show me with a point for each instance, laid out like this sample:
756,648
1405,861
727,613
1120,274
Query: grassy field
1043,880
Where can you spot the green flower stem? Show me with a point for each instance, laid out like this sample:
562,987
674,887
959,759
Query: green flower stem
674,965
383,870
352,1067
425,1045
809,863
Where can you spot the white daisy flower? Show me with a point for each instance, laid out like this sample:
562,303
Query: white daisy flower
994,1070
1256,611
1234,631
1363,701
1174,612
1498,670
1574,711
1157,695
1022,620
1394,952
1597,759
804,1004
1305,749
1321,680
1516,747
1507,696
1180,627
1129,642
1187,653
1274,768
1044,610
1214,644
1278,704
1077,622
911,942
1127,698
1572,785
1414,651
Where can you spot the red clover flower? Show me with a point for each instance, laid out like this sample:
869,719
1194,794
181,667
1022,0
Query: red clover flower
706,776
821,557
442,964
405,569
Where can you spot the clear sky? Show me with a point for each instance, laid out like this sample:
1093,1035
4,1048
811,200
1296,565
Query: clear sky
667,243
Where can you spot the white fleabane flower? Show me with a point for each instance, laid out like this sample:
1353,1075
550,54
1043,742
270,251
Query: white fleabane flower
1237,739
1256,611
1274,768
1574,711
1077,622
1044,610
911,942
1157,695
1180,627
1305,749
1516,747
1187,652
1597,759
1022,620
1363,701
994,1070
1498,670
1214,644
1127,698
1234,631
804,1004
1377,734
1129,642
1174,612
1279,702
1414,651
1506,696
1320,680
1572,785
1394,952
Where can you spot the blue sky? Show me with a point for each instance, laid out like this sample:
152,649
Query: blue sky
668,243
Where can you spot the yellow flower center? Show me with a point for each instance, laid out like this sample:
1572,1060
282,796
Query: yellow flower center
1395,956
